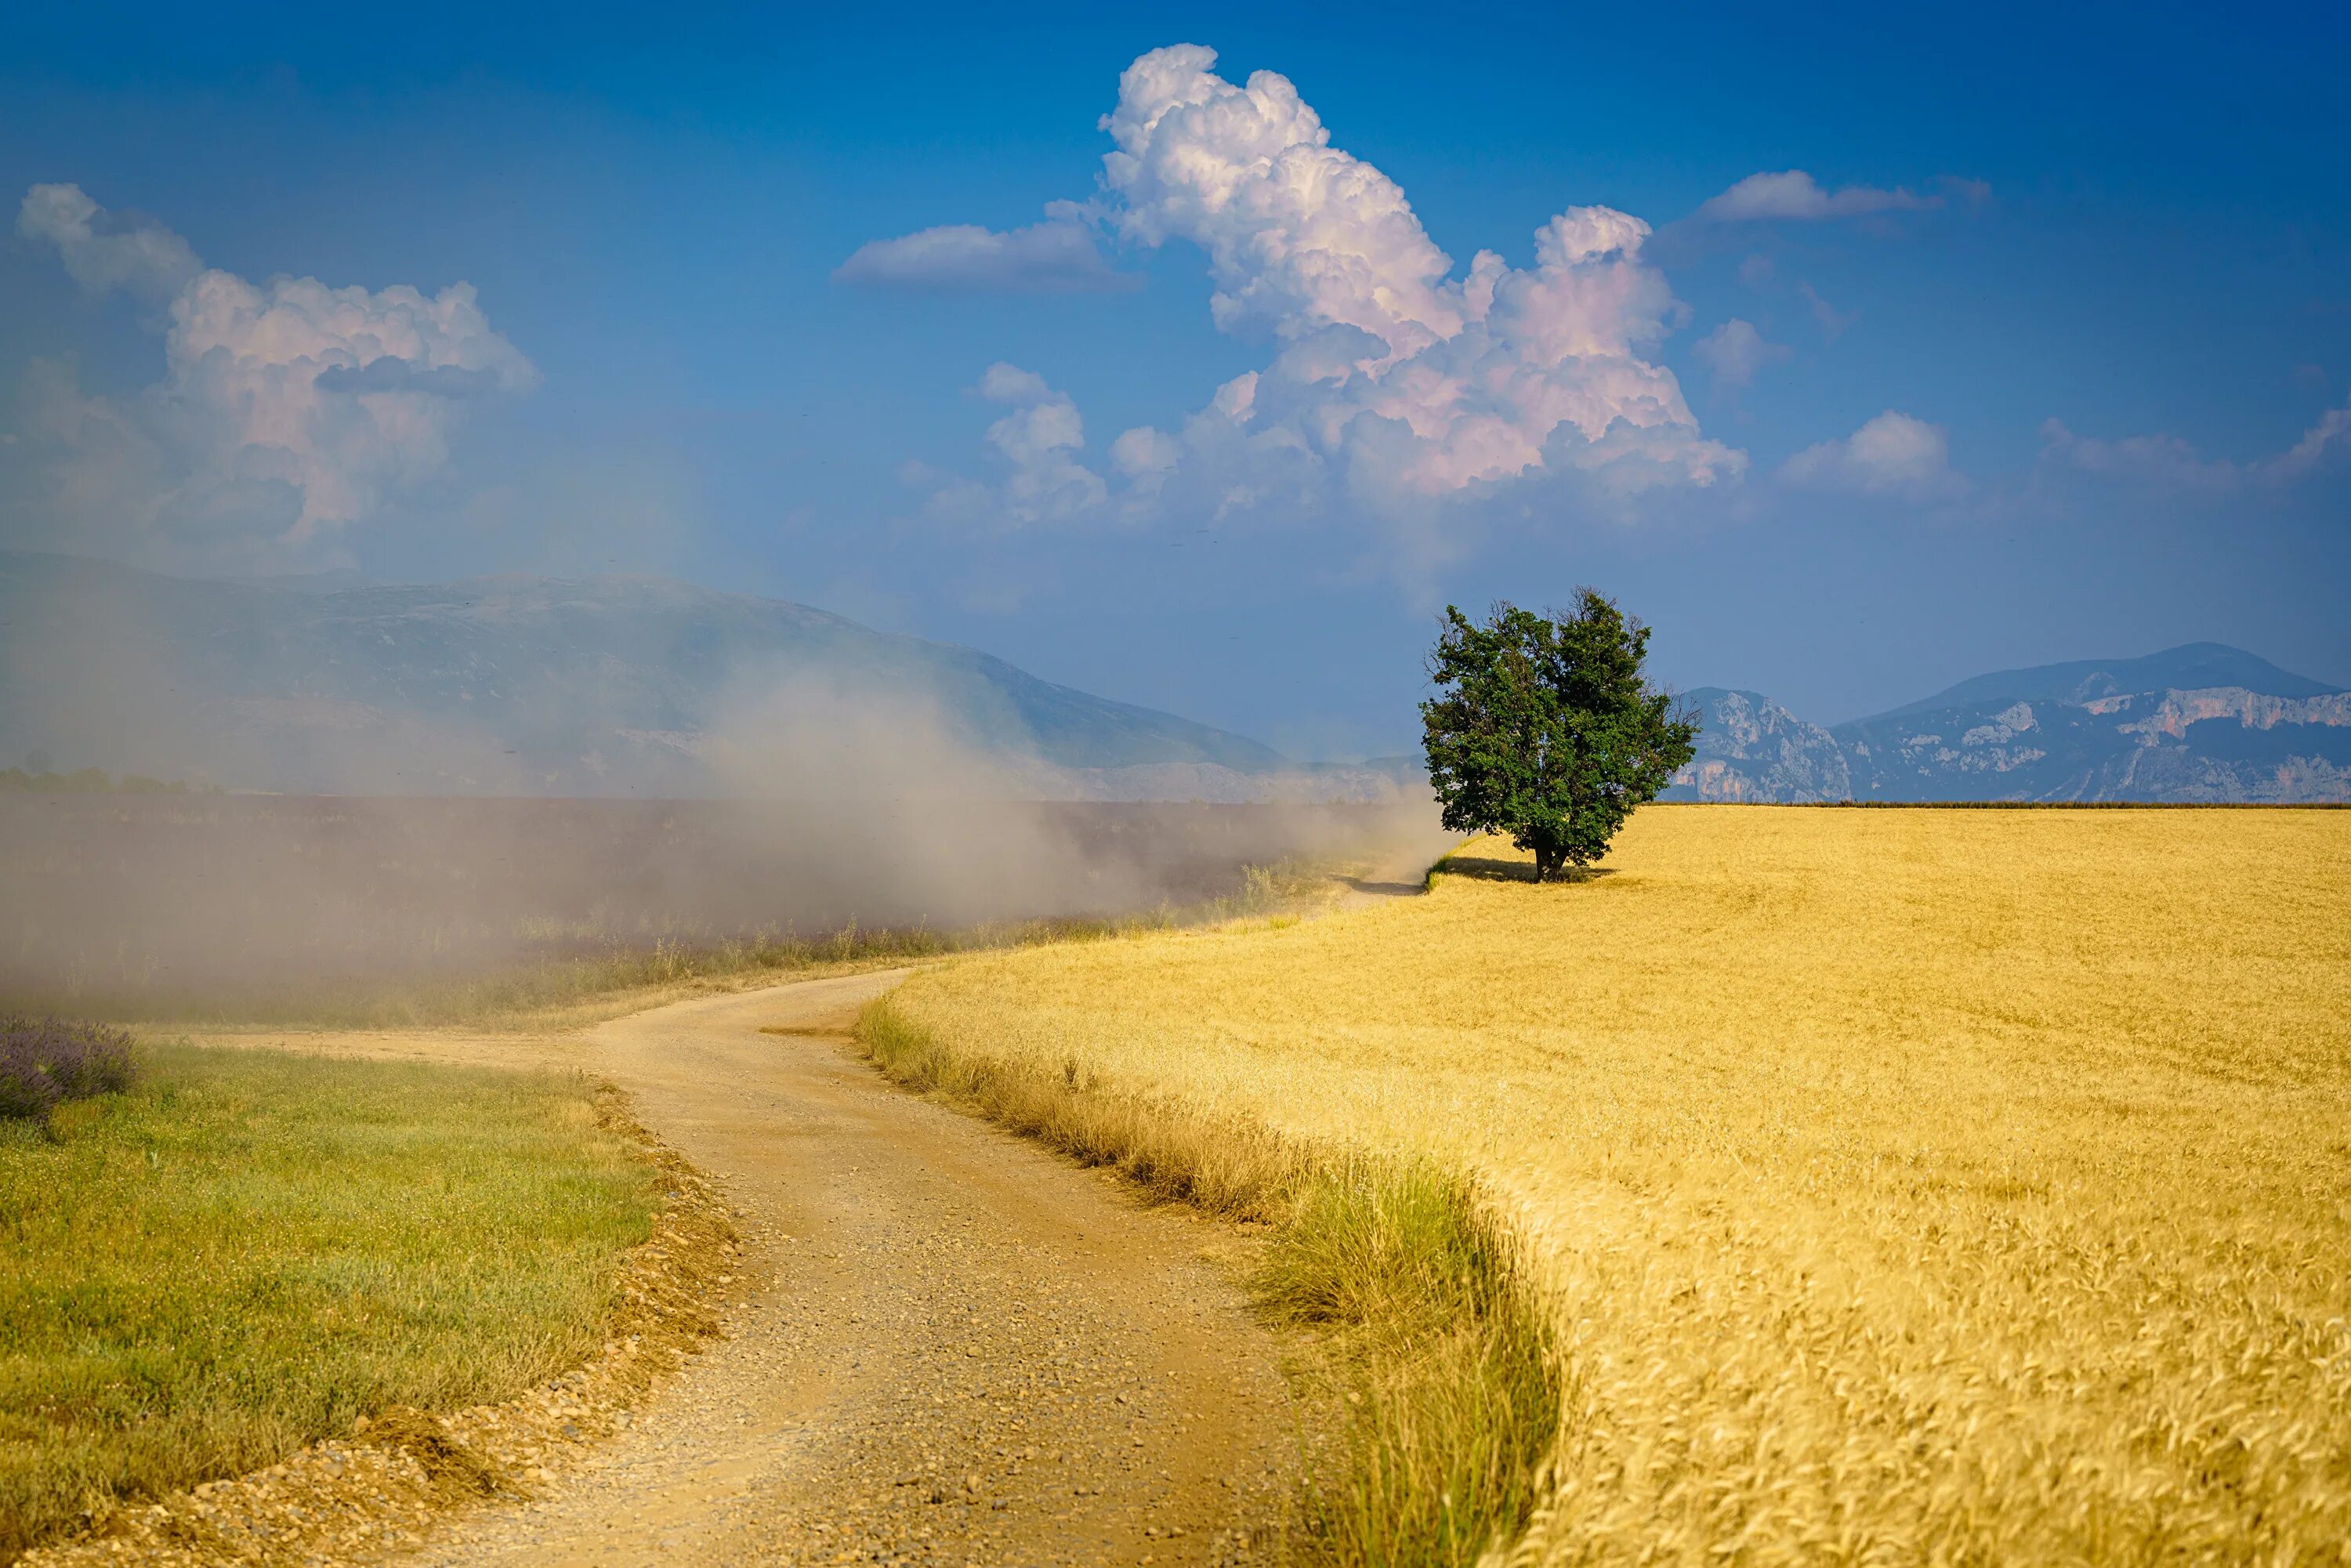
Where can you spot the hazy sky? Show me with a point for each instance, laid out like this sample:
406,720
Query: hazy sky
1196,357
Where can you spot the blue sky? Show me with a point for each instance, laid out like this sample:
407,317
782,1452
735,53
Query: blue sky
2034,359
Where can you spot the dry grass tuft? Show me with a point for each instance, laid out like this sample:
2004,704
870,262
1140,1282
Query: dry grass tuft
1920,1185
1435,1359
1438,1356
1224,1165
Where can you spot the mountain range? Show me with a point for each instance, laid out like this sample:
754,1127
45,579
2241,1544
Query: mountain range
2200,723
634,685
596,687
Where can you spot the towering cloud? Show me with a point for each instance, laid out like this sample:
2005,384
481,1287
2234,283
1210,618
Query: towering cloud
1393,384
1392,372
287,410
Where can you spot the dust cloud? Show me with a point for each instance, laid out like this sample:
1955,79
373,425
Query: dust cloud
839,801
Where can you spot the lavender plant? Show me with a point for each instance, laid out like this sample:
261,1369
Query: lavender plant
46,1062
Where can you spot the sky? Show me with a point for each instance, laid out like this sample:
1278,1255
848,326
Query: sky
1197,357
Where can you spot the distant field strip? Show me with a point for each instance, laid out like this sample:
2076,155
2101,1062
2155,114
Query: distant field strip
1957,1186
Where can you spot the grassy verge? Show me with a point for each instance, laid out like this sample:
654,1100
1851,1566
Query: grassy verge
1435,1352
251,1248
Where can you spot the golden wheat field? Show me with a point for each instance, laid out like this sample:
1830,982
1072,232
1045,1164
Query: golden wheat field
1908,1186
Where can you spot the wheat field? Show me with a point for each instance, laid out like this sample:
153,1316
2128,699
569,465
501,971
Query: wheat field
1904,1186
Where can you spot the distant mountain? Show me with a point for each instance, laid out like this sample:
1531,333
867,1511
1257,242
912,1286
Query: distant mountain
2200,723
1751,748
602,685
2195,666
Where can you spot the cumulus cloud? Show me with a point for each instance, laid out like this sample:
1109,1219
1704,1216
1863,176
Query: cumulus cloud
2328,439
1735,350
1056,257
1035,446
1144,450
1892,454
289,410
103,251
2163,460
1393,382
1794,193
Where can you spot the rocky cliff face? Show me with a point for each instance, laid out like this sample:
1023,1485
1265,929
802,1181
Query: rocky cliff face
2199,723
2202,723
1751,748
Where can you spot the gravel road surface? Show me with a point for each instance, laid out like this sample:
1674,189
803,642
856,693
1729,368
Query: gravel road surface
966,1351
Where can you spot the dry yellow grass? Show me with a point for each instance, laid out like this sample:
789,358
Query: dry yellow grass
1912,1187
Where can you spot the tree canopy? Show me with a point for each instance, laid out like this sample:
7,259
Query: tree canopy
1543,727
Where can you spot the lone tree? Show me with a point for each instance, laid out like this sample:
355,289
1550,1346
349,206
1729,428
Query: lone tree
1544,728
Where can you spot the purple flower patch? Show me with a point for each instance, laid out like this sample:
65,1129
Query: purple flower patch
46,1062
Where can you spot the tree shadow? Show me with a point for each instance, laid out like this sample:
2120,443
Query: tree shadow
1383,889
1486,869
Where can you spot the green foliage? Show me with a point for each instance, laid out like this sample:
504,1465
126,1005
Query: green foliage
89,781
250,1247
1544,728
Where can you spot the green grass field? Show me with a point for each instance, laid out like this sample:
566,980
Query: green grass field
252,1248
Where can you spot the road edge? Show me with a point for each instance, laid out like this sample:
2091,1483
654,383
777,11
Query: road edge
1433,1349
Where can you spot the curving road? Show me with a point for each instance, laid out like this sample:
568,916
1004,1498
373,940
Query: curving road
971,1350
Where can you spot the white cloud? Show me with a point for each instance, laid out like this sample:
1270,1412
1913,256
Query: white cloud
1035,446
1833,322
2171,463
104,251
2164,460
288,411
1393,381
1794,193
1892,454
2330,435
1299,233
1056,257
1144,451
1735,350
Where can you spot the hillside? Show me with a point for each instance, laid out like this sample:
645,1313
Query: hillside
502,685
2198,723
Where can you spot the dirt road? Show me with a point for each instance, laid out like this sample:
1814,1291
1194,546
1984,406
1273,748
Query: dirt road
971,1351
